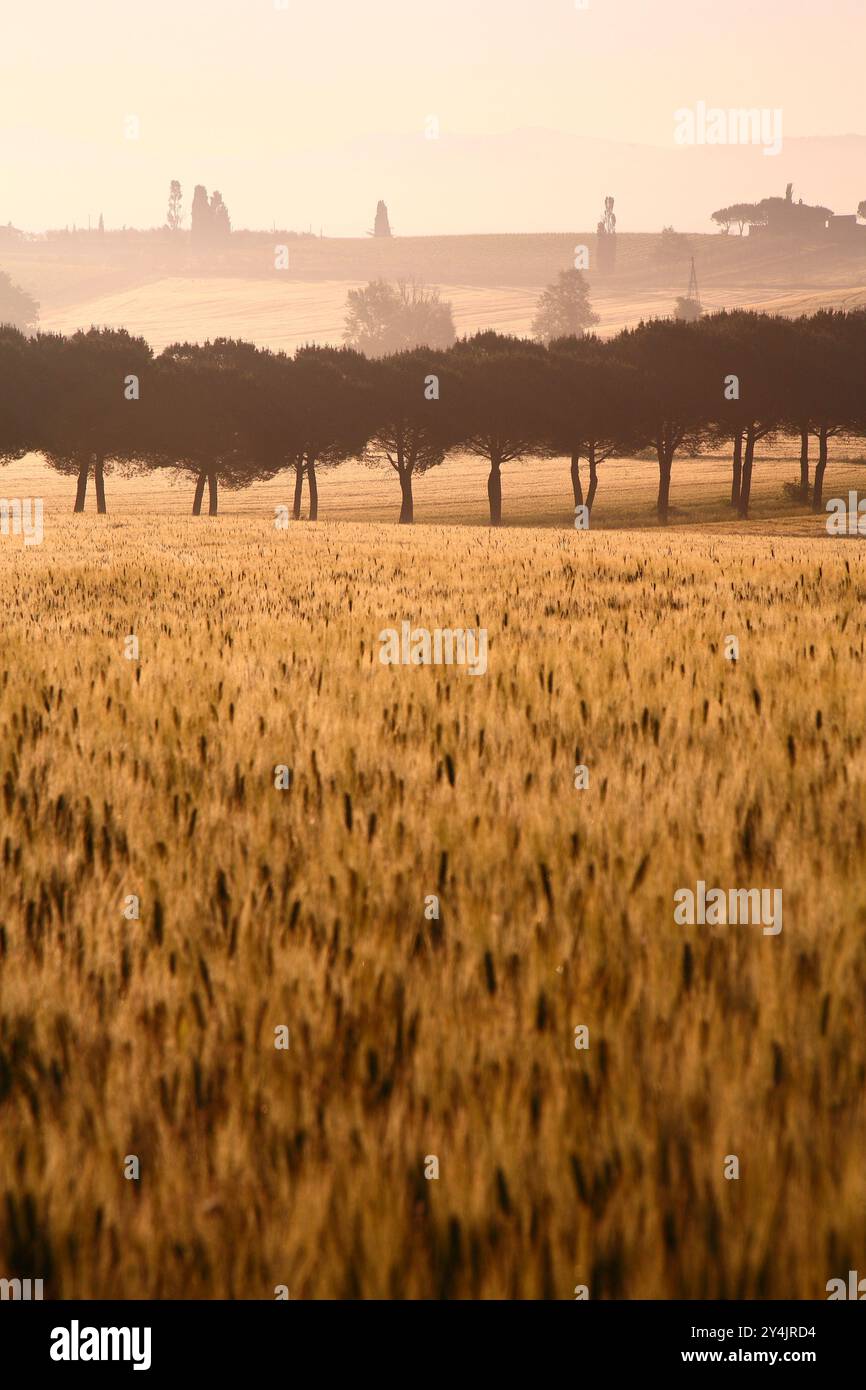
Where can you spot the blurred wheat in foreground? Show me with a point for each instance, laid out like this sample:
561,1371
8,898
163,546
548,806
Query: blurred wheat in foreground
413,1037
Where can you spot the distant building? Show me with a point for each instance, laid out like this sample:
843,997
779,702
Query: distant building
846,227
783,217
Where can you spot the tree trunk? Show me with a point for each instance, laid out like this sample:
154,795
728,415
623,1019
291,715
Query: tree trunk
804,465
576,485
313,485
593,481
407,506
81,490
494,492
737,476
299,488
746,481
665,458
212,494
820,470
199,494
99,479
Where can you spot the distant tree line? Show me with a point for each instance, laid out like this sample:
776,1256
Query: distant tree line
228,413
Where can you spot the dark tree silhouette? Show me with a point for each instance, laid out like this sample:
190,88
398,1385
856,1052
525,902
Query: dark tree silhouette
832,386
334,411
797,385
501,416
274,420
91,387
18,395
723,217
197,422
667,353
413,417
596,408
757,350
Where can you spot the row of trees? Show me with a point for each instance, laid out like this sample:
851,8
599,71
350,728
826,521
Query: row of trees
230,413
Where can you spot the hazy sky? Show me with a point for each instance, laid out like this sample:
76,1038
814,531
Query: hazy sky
239,94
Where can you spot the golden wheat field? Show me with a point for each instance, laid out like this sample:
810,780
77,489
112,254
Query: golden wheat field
412,1037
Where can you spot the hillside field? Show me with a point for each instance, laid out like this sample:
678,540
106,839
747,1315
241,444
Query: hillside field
168,293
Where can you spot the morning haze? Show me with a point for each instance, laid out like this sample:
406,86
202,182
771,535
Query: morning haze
433,455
